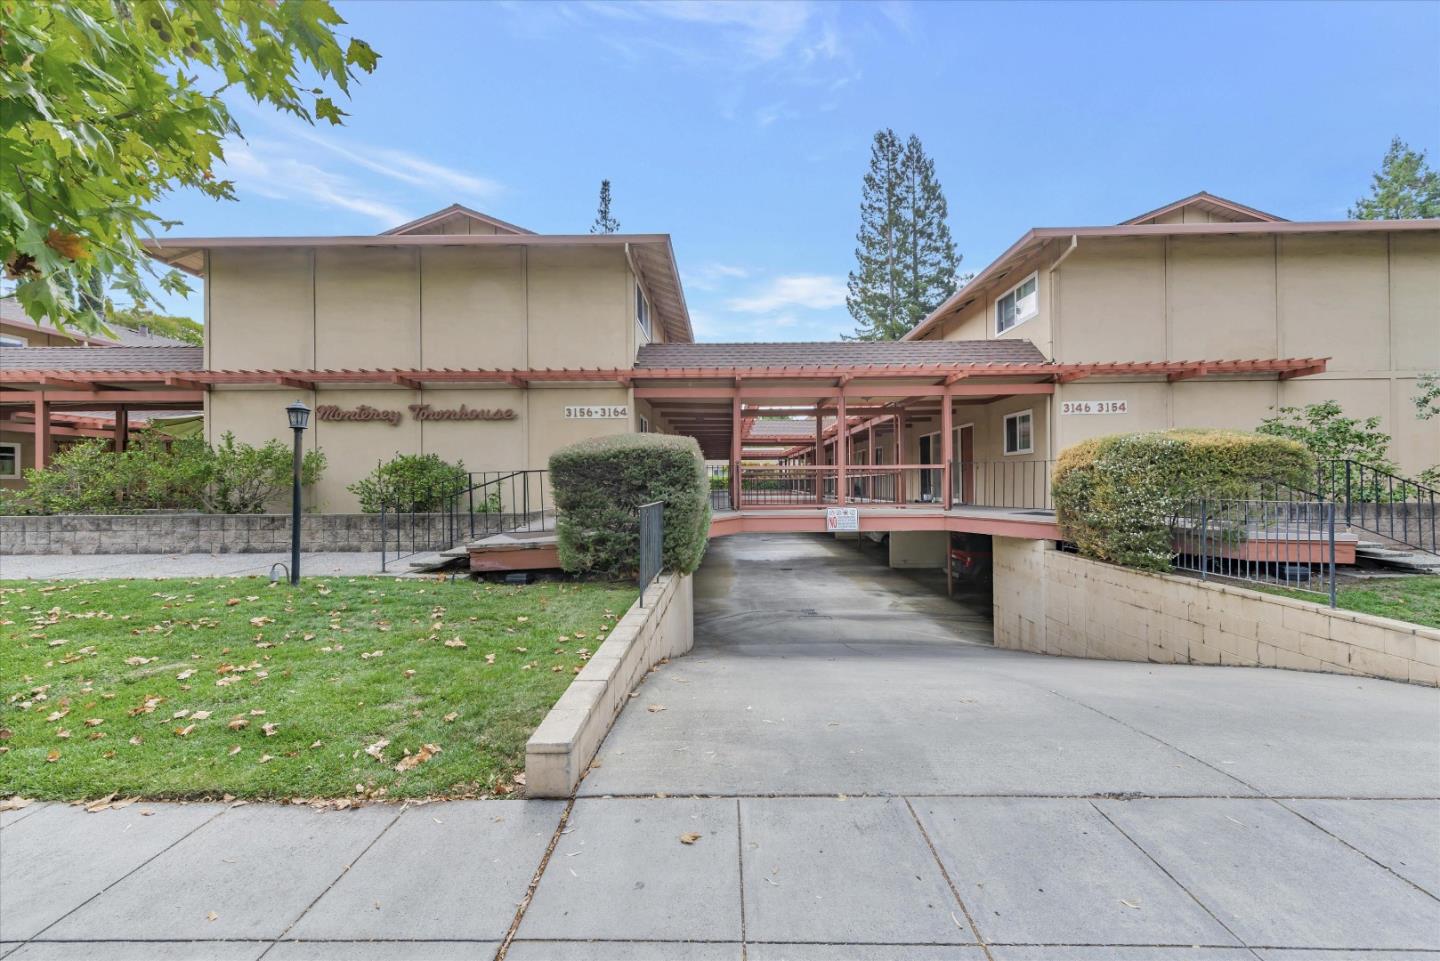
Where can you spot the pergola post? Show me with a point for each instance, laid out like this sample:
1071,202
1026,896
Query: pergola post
842,447
947,444
122,429
899,458
870,456
736,429
42,432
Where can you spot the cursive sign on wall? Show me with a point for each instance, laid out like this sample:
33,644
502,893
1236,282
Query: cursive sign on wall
364,413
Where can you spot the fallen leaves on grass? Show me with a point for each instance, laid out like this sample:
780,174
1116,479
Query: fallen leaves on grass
410,761
456,642
378,748
269,729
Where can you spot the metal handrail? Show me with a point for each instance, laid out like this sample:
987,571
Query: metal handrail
1383,503
652,544
439,522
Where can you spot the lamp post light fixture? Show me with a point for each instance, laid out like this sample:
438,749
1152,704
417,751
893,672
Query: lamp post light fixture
299,416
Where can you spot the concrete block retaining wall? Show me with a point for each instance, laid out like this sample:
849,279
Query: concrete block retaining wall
1052,602
200,533
562,747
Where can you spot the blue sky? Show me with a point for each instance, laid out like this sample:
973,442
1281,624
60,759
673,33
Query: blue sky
744,129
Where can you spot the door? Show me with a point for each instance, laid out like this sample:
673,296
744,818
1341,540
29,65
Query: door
965,466
929,454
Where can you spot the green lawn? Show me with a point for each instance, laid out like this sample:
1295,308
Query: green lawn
199,688
1413,599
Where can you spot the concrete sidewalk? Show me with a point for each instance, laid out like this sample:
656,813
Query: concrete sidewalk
860,779
104,566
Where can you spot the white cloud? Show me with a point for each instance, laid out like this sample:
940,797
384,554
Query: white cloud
810,291
404,167
711,276
269,170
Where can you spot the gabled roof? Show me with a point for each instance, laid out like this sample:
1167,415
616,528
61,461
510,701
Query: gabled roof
1217,208
857,353
455,215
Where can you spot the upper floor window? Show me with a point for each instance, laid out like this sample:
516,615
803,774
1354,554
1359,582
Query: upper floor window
1020,433
1018,305
642,310
10,340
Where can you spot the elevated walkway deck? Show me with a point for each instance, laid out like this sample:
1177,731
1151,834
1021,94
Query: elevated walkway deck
528,550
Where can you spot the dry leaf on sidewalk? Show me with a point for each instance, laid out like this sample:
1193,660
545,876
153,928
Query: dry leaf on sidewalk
690,838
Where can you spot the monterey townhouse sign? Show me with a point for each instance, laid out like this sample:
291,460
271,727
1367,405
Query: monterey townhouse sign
365,413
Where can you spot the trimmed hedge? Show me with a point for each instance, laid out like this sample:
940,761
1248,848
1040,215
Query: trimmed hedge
599,485
1116,497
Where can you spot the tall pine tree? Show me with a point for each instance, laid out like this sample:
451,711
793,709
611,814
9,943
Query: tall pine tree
1404,189
604,223
928,253
905,258
873,297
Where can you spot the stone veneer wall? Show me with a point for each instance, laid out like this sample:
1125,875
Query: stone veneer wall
1052,602
198,533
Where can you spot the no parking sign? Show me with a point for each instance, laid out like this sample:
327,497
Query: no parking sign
839,519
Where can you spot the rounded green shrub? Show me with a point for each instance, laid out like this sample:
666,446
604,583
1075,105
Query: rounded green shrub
599,485
1116,497
410,482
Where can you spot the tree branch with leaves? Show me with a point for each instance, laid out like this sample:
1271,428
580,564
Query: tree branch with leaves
106,106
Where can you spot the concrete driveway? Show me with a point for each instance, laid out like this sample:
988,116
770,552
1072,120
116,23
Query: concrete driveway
859,777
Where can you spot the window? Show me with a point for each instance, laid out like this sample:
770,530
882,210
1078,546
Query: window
1020,433
1018,305
10,340
10,461
642,310
644,425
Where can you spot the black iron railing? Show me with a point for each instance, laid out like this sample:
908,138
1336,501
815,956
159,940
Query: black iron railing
1286,540
652,544
1382,503
489,503
718,476
1002,483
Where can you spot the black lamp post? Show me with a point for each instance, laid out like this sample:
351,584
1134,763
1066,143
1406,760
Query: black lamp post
299,419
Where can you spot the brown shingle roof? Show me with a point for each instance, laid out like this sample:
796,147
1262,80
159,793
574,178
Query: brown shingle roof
102,358
918,353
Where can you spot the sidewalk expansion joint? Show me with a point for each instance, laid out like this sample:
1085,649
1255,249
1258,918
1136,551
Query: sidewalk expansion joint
949,881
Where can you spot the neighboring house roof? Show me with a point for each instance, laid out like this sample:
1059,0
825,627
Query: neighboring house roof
13,315
852,353
651,255
455,213
1212,205
1026,254
103,358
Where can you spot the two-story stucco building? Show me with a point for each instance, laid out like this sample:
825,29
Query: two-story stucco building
477,340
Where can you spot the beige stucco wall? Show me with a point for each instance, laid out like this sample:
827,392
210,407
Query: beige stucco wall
1369,302
1051,602
909,549
508,307
404,307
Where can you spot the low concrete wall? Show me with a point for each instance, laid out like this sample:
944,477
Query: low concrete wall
197,533
918,549
562,747
1052,602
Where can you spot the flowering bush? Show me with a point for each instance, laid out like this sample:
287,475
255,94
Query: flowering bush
1116,497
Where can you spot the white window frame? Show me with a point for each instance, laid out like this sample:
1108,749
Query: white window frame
1019,318
1005,433
13,340
644,424
642,311
18,465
